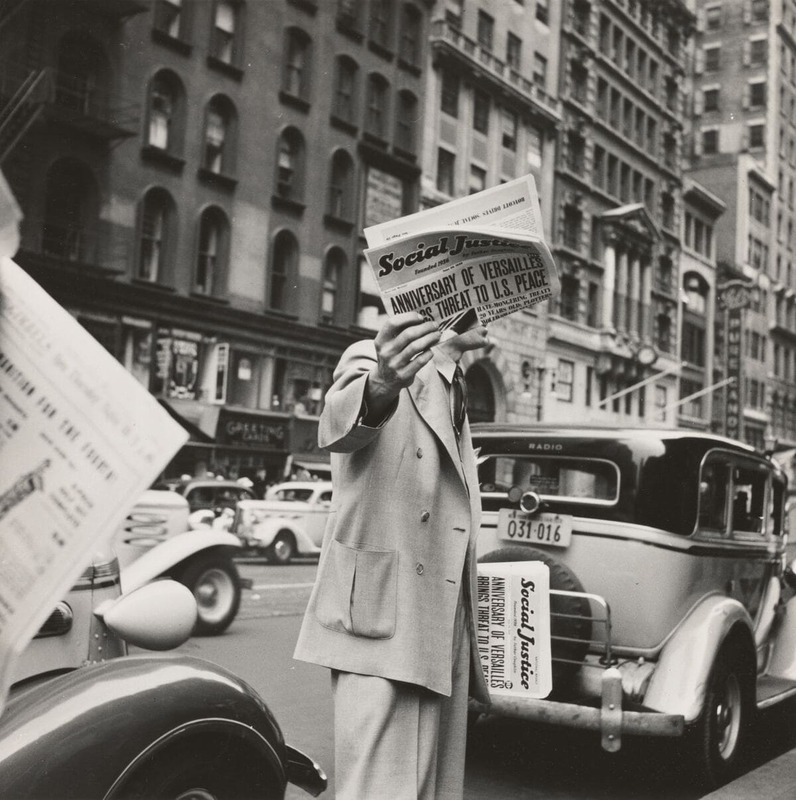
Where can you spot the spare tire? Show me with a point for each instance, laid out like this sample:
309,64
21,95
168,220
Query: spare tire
570,617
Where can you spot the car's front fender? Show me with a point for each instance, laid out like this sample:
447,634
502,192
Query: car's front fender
264,533
160,559
72,737
679,682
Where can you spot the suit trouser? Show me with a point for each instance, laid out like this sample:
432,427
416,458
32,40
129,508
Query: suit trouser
398,741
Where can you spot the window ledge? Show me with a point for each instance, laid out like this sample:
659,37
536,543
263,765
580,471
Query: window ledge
156,155
399,152
210,298
236,73
154,285
287,204
412,69
279,314
217,179
338,224
291,100
177,45
380,50
343,125
348,27
310,6
376,141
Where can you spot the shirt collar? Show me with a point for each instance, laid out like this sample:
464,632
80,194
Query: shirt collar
445,365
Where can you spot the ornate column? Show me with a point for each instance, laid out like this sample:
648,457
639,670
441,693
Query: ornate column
622,275
609,278
634,291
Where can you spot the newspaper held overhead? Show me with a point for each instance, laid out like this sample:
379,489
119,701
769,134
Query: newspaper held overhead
472,260
80,440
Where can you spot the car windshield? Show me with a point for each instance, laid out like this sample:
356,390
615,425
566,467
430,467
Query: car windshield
552,477
302,495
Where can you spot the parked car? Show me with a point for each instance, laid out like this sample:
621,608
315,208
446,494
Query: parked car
86,720
154,541
671,601
289,522
208,494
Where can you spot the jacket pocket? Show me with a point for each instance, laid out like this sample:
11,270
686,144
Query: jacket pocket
358,592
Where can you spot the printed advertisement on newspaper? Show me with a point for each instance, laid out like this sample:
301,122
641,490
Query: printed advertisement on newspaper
513,628
472,260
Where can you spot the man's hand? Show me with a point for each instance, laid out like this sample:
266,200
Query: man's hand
403,347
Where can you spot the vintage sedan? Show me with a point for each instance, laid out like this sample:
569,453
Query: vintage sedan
289,521
85,720
671,599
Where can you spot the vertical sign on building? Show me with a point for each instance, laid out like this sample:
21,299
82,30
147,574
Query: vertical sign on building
734,296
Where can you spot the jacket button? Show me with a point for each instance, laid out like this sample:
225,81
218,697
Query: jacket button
419,569
420,452
424,515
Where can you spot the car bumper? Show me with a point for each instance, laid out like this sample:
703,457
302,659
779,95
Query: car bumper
304,772
610,718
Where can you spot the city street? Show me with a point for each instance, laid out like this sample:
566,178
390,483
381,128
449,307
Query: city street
507,760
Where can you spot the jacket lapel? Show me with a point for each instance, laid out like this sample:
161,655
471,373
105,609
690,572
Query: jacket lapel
430,396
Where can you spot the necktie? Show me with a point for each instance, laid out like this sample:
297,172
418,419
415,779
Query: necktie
458,400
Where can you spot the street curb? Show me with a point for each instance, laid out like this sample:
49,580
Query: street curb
775,780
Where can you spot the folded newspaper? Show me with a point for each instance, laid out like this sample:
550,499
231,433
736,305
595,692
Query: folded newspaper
469,261
513,628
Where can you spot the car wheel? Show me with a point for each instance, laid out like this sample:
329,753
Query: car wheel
201,770
570,623
282,549
214,580
717,741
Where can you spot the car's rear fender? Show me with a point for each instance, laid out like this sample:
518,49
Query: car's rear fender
679,682
266,531
161,559
77,734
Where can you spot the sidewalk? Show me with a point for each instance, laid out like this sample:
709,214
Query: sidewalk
775,780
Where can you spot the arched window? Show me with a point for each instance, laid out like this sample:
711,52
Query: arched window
381,22
296,69
290,165
70,211
170,18
341,186
166,109
411,35
333,271
345,89
212,253
226,38
376,119
284,267
219,145
156,238
406,121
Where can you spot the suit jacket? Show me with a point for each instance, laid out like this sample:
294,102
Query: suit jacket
405,515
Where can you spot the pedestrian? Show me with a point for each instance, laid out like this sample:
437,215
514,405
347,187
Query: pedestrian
392,609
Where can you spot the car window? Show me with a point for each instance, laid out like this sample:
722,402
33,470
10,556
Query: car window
302,495
200,497
326,497
553,477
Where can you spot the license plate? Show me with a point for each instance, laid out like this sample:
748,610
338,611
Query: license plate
554,530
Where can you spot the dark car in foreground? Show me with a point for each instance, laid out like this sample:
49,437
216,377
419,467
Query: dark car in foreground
672,604
85,720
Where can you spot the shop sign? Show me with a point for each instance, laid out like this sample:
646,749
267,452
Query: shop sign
733,410
177,367
247,430
384,197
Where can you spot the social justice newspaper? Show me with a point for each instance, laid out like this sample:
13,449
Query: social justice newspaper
513,628
80,440
471,260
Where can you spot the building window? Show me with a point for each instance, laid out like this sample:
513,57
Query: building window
450,94
481,105
290,165
341,186
453,12
411,35
296,73
710,141
224,45
381,22
406,121
166,111
581,16
348,13
713,58
760,10
663,333
333,269
486,29
345,89
156,224
446,162
218,148
713,18
568,301
661,401
284,267
758,51
756,135
212,252
543,11
540,71
565,380
477,179
533,139
580,81
169,17
514,52
757,94
509,139
573,222
376,120
693,344
593,310
576,152
667,210
710,99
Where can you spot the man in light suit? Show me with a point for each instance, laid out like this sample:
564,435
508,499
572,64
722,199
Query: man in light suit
393,607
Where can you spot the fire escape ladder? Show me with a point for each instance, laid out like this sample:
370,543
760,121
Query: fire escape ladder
21,110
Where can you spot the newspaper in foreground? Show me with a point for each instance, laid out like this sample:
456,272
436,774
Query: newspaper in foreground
513,628
80,440
472,260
